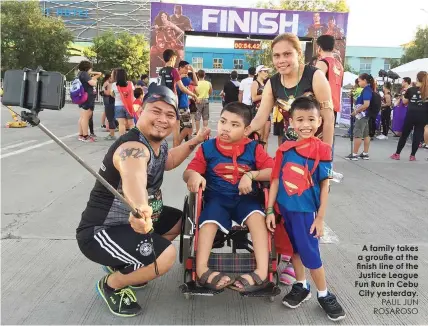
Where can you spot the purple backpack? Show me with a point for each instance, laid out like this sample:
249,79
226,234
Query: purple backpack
77,92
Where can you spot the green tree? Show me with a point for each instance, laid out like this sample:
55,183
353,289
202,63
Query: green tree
307,5
394,63
419,47
29,39
264,55
347,67
111,50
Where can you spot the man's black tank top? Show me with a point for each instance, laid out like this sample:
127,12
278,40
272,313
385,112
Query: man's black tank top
103,209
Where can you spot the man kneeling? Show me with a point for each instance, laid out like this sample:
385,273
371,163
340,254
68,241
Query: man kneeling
108,233
231,163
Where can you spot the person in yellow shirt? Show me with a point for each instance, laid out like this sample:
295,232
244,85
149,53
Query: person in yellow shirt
203,91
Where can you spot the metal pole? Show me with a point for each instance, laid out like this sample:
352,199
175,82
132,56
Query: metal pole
90,170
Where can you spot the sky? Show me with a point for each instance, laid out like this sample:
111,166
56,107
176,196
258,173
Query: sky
370,23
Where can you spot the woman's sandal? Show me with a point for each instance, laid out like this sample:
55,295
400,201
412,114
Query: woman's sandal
203,280
247,287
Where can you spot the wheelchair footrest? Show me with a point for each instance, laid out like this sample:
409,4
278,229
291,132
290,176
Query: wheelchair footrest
193,289
271,290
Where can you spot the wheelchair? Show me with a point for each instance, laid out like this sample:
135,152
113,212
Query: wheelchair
228,262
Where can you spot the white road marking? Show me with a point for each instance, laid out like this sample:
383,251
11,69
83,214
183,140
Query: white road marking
17,145
329,235
26,149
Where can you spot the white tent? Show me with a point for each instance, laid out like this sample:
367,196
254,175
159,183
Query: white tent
412,68
349,78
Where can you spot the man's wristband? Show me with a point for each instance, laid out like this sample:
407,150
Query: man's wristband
269,210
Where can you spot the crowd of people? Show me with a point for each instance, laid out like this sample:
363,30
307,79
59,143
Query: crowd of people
374,109
303,98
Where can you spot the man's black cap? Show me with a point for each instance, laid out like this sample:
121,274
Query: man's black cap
160,93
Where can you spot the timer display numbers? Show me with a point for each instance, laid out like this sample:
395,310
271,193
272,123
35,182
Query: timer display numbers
247,45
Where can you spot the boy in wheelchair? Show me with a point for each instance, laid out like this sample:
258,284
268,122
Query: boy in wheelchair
226,167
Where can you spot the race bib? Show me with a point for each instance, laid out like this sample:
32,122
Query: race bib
156,203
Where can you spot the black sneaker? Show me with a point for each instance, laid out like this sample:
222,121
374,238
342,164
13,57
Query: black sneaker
352,157
111,270
364,156
332,308
122,302
297,296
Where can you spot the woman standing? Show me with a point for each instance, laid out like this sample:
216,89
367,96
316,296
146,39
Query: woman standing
262,75
292,80
400,109
386,111
417,115
89,79
109,105
123,93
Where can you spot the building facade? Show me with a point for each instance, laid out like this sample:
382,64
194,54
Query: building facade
218,63
368,59
88,18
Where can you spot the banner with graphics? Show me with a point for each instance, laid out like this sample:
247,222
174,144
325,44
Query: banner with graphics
170,22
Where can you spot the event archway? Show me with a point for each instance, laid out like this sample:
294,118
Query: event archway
170,22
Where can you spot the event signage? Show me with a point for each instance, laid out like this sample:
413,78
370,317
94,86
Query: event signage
170,22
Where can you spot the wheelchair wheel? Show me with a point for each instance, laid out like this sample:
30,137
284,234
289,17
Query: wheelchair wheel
186,234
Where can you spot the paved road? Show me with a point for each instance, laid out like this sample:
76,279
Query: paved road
46,280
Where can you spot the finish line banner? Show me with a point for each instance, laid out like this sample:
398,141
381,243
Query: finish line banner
170,21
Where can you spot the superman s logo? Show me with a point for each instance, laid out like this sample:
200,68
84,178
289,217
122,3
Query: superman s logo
296,178
225,171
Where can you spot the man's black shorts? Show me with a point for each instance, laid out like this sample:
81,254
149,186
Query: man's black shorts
126,250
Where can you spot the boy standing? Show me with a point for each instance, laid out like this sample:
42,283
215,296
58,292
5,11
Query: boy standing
186,128
169,77
230,165
299,187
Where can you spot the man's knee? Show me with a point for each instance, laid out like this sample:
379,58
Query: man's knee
167,259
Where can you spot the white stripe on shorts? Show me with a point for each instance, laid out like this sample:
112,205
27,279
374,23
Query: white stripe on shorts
115,250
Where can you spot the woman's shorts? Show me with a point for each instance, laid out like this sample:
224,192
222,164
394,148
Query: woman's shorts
121,113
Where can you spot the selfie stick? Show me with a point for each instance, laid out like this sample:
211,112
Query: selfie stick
32,118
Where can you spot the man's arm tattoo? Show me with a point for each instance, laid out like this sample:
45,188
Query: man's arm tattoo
134,152
192,147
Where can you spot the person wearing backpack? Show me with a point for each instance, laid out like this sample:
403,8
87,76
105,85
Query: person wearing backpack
362,114
123,93
374,112
83,92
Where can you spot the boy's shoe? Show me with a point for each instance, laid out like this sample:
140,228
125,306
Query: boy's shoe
395,156
382,137
364,156
111,270
412,158
352,157
296,296
93,136
332,308
121,302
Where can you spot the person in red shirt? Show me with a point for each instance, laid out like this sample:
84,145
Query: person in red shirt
138,102
333,70
227,167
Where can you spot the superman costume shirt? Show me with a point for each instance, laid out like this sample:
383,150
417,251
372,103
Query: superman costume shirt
223,166
300,167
